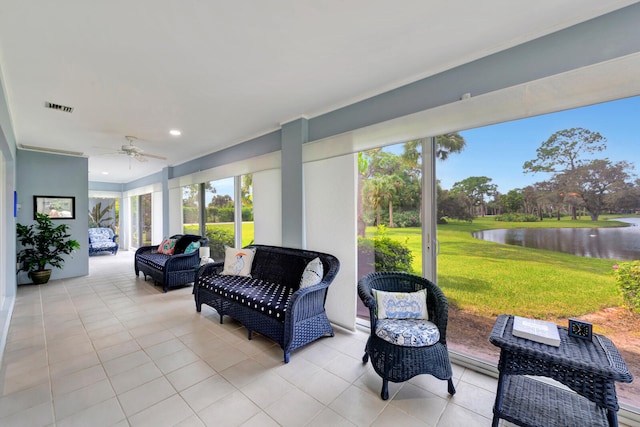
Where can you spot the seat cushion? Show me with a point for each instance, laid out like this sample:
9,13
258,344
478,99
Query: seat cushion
106,244
408,332
153,259
266,297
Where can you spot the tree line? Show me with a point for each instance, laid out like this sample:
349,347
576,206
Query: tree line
578,180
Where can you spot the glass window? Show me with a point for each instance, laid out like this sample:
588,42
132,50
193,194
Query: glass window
220,216
530,215
389,222
247,209
145,219
140,220
135,222
191,209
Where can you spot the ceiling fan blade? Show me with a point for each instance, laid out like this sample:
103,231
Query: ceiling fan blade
153,156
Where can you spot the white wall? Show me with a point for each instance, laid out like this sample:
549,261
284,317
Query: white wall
267,207
156,218
4,210
175,211
330,189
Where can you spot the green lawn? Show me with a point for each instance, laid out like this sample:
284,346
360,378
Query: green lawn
247,230
490,278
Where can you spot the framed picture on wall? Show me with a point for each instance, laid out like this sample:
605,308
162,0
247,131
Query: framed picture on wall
55,207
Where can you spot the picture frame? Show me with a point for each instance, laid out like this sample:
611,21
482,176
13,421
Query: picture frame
55,207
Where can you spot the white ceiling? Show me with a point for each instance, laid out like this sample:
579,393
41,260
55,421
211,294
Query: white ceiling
226,71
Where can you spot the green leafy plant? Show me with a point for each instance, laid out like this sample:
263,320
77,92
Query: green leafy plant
98,216
218,239
43,244
388,254
628,280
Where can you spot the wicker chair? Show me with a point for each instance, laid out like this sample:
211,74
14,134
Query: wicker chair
399,363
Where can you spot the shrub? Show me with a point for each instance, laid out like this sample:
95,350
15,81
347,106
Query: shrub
247,214
218,239
215,214
628,280
516,217
190,214
405,219
386,254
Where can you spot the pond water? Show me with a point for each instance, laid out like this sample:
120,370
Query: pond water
620,243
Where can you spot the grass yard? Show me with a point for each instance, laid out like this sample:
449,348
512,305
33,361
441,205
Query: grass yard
487,278
247,230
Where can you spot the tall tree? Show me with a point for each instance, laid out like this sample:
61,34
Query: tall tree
476,188
565,151
246,189
597,182
449,143
513,201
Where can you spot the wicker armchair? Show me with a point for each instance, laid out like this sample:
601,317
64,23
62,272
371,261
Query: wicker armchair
399,363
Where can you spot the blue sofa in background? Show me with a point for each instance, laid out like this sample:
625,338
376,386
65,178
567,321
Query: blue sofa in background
102,239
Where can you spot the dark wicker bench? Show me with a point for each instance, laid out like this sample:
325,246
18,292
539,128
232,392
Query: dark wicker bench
271,302
169,270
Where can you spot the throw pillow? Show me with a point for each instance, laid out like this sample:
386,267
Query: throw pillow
237,262
193,246
183,242
167,247
401,305
312,274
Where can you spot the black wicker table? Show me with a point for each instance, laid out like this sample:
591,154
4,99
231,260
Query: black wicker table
590,368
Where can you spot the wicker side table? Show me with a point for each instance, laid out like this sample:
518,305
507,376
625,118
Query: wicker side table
590,368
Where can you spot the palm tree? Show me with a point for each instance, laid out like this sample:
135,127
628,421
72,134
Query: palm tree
449,143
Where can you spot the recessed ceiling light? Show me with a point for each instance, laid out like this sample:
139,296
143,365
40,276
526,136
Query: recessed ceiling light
175,132
105,173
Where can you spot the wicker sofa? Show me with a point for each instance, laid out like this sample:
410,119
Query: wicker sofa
270,301
170,271
102,239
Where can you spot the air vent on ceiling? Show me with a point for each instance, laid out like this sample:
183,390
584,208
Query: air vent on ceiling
50,150
58,107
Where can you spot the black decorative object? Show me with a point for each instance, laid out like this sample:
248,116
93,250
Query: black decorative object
580,329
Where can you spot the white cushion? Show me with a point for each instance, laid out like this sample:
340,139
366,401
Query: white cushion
408,332
238,261
312,274
401,305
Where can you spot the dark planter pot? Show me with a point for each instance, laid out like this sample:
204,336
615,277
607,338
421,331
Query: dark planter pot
40,277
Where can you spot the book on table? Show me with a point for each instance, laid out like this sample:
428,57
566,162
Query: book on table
536,330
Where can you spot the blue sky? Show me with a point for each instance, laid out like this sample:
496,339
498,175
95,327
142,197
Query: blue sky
499,151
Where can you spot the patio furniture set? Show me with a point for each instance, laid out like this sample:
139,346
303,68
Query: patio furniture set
281,292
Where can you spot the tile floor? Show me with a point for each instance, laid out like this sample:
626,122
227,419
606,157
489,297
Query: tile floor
111,349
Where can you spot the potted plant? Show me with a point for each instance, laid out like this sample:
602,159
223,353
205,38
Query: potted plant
43,244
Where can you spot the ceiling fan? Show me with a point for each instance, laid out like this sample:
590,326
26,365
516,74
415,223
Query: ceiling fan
134,152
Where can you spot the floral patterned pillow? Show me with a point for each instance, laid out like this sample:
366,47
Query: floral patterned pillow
401,305
167,247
